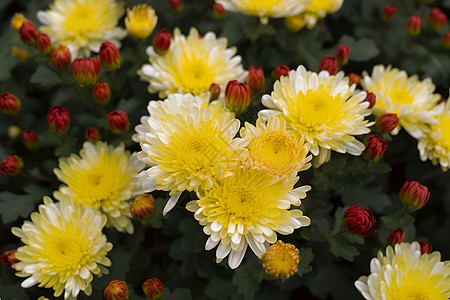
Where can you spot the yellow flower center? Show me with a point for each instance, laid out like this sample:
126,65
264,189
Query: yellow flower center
82,20
318,5
281,260
195,76
400,96
241,202
416,285
260,4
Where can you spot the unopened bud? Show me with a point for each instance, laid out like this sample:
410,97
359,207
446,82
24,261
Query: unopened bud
60,57
353,78
255,79
30,139
9,104
140,21
375,148
358,221
85,71
413,195
8,259
11,165
58,119
22,54
92,134
386,123
445,40
342,54
396,237
280,70
14,131
295,23
28,33
281,260
152,288
44,44
414,25
143,207
219,11
371,98
329,63
425,247
118,121
116,290
176,5
101,93
237,96
17,21
161,41
109,56
388,12
436,19
214,91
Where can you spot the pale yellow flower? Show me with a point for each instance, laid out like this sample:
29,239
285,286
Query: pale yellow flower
140,21
319,9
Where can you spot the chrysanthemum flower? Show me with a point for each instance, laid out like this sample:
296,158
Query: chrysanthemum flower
64,247
320,108
101,177
405,273
82,25
318,9
192,64
275,150
411,99
247,206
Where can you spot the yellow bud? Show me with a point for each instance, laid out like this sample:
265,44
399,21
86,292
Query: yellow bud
22,54
295,23
140,21
281,260
17,21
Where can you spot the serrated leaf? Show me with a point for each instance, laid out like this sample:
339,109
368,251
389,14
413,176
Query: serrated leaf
343,250
219,289
306,257
46,77
372,198
180,294
247,278
7,62
361,50
379,167
395,221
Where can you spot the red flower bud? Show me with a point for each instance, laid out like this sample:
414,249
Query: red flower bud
386,123
143,207
60,57
214,90
445,40
118,121
329,63
9,104
176,5
117,290
8,259
358,221
153,288
413,195
109,56
413,25
353,78
237,96
342,54
58,119
28,33
371,98
11,165
388,12
161,41
280,70
101,93
375,148
85,71
256,79
396,237
30,139
425,247
219,11
44,44
436,19
92,134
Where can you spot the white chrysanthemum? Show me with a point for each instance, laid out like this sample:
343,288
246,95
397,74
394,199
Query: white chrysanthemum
247,206
405,273
83,25
64,247
191,65
318,9
412,100
265,9
322,109
102,177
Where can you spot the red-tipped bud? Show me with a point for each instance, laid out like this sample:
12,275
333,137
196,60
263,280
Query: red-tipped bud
44,44
371,98
11,165
153,288
388,12
219,11
101,93
8,259
342,54
214,91
425,247
445,40
118,121
256,79
414,25
143,207
117,290
386,123
413,195
28,33
92,134
85,71
237,96
9,104
30,139
58,119
61,57
396,237
329,63
353,78
109,56
176,5
280,70
375,148
161,41
436,19
358,221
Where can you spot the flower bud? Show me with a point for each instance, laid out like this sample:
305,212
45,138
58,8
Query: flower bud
358,221
353,78
329,63
280,70
22,54
386,123
85,71
44,44
237,96
281,260
375,148
14,131
413,195
388,13
445,40
425,247
219,11
413,25
109,56
214,91
11,165
9,104
8,259
60,57
92,134
30,139
118,121
28,33
371,98
176,5
116,290
396,237
436,19
295,23
101,93
342,54
256,79
143,207
17,21
161,41
140,21
58,119
153,288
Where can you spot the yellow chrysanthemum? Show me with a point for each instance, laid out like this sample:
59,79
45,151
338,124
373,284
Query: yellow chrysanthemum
247,206
64,247
140,21
318,9
405,273
320,108
186,150
83,25
191,65
102,177
281,260
275,150
265,9
412,100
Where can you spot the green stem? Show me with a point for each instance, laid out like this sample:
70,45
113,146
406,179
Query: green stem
405,211
35,178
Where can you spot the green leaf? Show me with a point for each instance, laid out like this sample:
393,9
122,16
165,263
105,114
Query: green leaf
362,49
345,250
306,257
219,289
180,293
247,278
372,198
394,221
7,61
46,77
379,167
